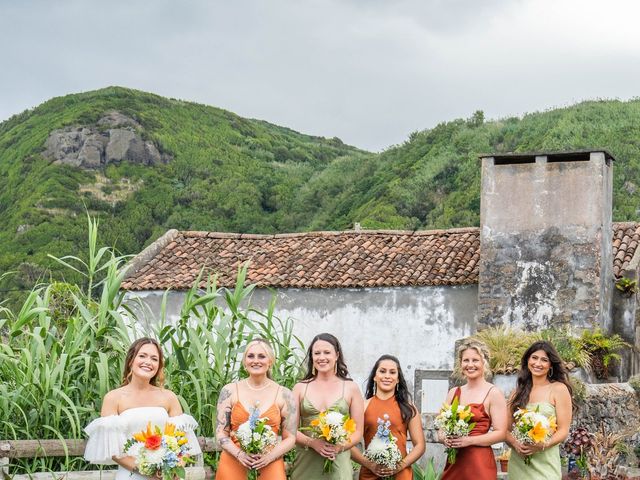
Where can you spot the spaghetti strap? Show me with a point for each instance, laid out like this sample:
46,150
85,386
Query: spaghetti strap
344,382
306,385
488,392
457,393
549,396
238,391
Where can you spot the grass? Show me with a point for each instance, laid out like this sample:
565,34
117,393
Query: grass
65,347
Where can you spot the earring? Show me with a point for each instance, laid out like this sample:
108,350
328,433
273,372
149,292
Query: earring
397,385
313,370
335,368
375,387
550,372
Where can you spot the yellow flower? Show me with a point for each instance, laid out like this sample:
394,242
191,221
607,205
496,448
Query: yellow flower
326,432
350,425
182,441
464,414
537,433
552,424
169,428
315,423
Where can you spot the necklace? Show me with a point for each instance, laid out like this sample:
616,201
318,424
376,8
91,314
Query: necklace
257,389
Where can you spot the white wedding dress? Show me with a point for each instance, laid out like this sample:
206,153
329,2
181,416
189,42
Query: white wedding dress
107,435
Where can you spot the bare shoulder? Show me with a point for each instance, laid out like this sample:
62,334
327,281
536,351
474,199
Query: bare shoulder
227,392
111,401
298,388
496,394
559,389
352,389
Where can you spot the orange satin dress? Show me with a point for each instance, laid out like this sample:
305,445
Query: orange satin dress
477,463
376,409
229,468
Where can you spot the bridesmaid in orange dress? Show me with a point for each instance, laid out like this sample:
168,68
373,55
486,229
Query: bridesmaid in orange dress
487,403
236,402
387,393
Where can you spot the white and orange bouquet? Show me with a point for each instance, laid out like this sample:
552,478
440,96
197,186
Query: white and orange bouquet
532,427
255,436
160,452
333,427
383,448
455,420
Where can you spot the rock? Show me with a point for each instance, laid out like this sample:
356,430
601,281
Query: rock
89,147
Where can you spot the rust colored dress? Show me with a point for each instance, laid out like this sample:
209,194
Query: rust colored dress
229,468
477,463
376,409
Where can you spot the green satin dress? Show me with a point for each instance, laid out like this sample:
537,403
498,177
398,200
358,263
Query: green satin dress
308,464
545,464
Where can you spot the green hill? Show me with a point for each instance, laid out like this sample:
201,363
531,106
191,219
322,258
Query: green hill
218,171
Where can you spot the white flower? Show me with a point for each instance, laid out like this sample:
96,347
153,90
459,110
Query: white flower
155,456
334,419
376,446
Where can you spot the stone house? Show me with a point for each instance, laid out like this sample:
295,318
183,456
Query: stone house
546,253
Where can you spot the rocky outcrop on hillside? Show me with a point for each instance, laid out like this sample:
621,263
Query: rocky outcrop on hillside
114,139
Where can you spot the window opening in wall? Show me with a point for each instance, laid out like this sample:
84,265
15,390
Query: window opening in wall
430,389
514,160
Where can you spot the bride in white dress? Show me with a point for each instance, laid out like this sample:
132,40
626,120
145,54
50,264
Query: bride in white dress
128,409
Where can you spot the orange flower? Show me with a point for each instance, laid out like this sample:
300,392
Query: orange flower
537,433
142,436
153,442
315,423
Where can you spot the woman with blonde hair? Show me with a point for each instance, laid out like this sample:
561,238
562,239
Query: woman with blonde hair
126,410
487,403
236,403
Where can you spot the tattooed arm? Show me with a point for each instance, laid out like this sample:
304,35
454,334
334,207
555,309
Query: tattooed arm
223,427
288,428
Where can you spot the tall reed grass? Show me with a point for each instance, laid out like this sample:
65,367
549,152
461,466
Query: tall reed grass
63,350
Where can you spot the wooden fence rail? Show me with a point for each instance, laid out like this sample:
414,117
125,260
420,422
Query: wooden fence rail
12,449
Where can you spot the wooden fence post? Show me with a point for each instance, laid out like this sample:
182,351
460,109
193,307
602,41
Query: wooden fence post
4,460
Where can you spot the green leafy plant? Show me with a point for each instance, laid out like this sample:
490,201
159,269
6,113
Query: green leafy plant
54,374
627,286
506,347
428,472
569,347
634,381
603,349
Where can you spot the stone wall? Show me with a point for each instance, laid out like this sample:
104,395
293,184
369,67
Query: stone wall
545,254
616,406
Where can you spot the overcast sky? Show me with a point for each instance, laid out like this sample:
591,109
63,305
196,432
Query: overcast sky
367,71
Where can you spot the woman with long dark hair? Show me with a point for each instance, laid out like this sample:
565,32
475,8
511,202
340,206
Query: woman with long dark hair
543,386
126,410
387,394
487,404
326,386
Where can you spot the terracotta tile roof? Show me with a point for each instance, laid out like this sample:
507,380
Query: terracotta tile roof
347,259
315,260
626,237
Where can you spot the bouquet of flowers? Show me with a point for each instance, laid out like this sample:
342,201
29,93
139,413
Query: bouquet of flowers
333,427
158,452
383,448
454,420
532,427
255,436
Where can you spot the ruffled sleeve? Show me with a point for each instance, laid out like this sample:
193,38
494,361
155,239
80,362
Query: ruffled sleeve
188,424
106,439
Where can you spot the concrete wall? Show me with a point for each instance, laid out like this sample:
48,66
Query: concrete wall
545,241
417,324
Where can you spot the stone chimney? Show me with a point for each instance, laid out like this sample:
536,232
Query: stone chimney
545,241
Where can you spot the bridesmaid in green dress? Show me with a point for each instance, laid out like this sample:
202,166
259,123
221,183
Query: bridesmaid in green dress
543,384
326,385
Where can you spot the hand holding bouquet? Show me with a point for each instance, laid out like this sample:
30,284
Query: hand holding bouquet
383,449
255,437
454,420
161,453
333,427
532,427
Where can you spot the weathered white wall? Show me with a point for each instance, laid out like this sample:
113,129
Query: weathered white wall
417,324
